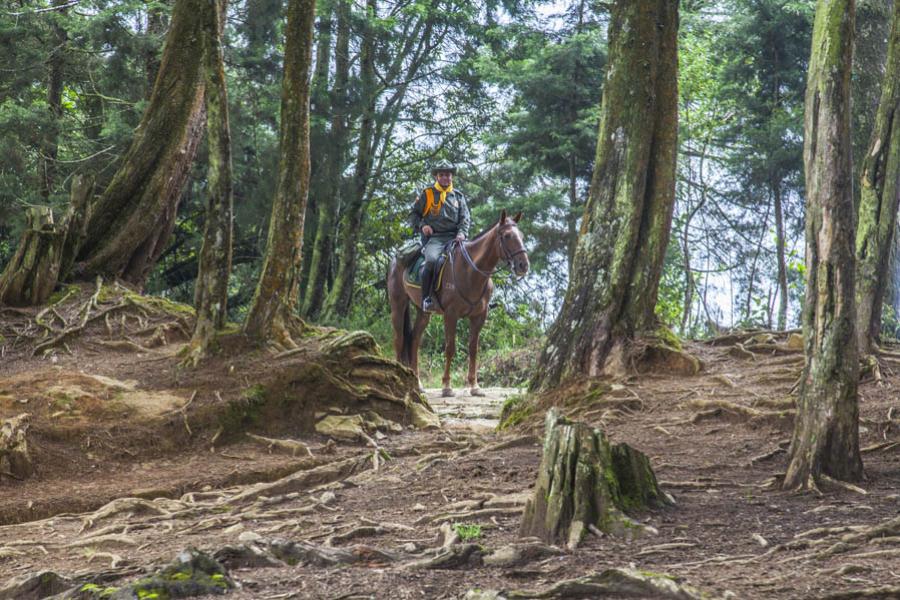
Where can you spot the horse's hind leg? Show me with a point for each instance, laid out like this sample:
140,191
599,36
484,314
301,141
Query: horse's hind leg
476,322
418,329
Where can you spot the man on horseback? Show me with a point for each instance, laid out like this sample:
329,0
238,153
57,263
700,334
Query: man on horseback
439,215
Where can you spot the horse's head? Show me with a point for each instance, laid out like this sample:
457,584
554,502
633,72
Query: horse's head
512,248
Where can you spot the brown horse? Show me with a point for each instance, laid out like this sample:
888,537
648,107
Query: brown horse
465,291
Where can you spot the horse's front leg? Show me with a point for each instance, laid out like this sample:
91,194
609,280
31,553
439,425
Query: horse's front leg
418,329
449,351
476,322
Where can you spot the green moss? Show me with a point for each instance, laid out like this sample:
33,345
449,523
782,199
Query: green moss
516,409
61,294
667,338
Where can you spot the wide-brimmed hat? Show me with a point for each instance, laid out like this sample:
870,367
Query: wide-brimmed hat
443,166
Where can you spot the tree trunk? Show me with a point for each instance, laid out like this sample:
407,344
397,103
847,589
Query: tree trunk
156,29
33,272
879,196
319,109
625,229
275,301
782,263
211,291
585,481
133,219
56,63
333,167
826,430
341,295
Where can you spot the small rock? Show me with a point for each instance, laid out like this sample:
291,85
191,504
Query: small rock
483,595
327,497
250,537
409,548
236,528
795,341
419,507
35,585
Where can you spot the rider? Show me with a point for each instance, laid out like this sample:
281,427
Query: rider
439,214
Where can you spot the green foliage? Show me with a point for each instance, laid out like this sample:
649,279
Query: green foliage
467,531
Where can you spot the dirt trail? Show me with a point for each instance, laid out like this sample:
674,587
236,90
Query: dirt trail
374,522
464,410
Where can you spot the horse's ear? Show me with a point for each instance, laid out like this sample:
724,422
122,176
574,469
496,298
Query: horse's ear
518,216
503,216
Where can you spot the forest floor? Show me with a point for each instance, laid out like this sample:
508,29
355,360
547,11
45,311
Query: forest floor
433,513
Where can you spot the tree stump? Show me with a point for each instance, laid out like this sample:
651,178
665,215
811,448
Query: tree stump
45,250
585,481
31,275
15,461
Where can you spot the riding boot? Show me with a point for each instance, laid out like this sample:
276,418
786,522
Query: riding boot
427,276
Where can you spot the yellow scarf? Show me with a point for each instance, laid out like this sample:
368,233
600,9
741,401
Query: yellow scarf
430,206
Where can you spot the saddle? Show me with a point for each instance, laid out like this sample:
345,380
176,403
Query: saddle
413,273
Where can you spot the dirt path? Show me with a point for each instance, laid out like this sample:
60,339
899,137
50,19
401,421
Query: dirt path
366,522
478,413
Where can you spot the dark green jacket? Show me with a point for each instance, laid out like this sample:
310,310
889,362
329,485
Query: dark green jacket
454,216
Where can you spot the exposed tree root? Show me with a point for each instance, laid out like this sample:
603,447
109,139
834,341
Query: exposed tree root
612,583
716,408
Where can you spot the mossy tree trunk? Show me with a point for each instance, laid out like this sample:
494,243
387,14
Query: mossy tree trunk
133,219
272,312
44,249
341,294
329,202
826,430
625,229
584,481
211,291
319,109
879,196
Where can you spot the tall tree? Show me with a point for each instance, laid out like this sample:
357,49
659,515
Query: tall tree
826,430
338,302
625,228
211,290
272,313
131,222
331,171
879,197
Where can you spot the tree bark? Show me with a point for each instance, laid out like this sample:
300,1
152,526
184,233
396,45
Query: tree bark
32,274
319,109
133,219
625,229
584,481
780,254
156,28
341,294
826,430
56,64
272,312
879,197
330,200
211,290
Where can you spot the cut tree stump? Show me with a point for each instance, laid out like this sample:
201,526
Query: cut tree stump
15,461
585,482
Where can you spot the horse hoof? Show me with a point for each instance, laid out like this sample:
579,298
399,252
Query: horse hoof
477,392
447,393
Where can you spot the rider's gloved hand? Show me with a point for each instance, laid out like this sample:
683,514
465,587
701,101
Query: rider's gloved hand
427,231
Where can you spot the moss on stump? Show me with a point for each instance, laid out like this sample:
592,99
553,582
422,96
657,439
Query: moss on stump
585,481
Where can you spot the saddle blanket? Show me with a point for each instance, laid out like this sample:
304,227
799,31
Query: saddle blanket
414,273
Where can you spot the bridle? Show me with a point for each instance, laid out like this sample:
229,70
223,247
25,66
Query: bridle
505,254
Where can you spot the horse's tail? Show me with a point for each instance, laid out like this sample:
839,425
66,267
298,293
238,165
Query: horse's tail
406,354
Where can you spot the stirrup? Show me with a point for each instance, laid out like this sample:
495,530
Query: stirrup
427,304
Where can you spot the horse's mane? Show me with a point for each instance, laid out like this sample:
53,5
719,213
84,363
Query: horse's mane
486,231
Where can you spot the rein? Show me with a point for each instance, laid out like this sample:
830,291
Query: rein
506,255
